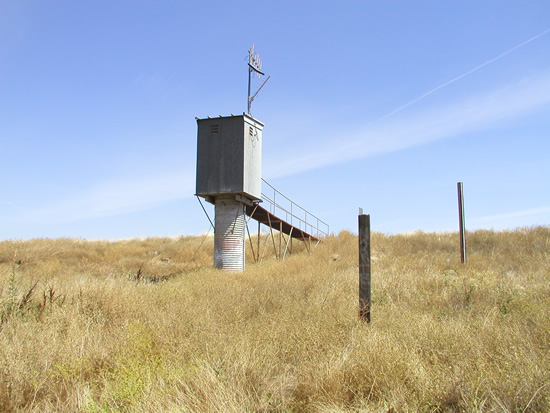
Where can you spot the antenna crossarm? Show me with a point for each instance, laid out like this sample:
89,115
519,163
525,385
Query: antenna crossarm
254,68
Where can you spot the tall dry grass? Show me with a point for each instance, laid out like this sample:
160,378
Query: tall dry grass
150,326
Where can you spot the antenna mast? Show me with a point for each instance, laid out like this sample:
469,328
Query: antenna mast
254,65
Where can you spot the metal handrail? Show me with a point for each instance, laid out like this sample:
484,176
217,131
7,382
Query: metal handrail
320,228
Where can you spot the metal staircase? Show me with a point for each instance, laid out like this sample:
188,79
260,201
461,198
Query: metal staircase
280,213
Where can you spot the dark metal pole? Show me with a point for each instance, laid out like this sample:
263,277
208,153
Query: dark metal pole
248,100
364,268
258,241
461,222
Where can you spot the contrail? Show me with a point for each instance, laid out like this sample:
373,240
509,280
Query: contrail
469,72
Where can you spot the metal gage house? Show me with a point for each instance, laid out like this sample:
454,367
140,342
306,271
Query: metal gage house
229,175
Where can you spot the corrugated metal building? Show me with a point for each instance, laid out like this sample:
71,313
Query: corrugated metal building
229,174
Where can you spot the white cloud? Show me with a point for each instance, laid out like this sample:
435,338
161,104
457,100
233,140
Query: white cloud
517,217
465,74
115,197
483,111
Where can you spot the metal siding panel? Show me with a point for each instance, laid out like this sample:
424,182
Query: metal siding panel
229,245
220,156
227,162
253,159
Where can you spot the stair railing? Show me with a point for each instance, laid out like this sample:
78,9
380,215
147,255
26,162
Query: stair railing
284,208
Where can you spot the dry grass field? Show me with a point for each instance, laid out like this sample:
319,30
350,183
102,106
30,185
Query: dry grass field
148,325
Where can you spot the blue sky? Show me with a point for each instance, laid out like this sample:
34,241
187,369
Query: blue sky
383,105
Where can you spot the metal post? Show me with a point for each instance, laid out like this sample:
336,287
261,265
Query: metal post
461,223
280,240
364,268
248,100
258,241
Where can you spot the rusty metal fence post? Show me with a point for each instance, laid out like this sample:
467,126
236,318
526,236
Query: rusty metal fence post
364,268
461,223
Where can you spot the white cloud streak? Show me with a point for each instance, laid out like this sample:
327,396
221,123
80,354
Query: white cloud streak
116,197
425,127
463,75
497,218
481,112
